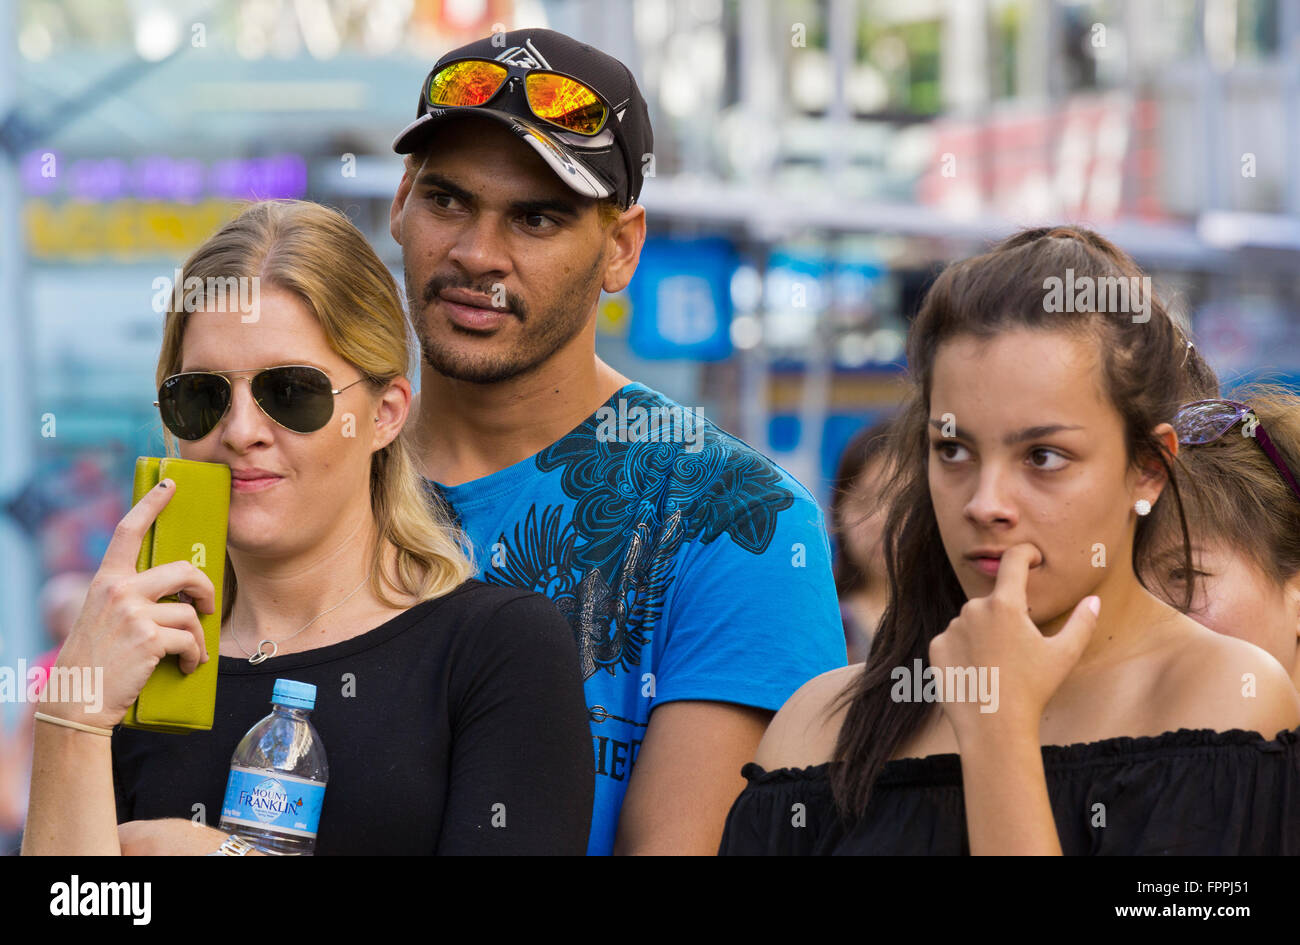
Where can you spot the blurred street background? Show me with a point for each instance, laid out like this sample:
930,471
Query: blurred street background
815,163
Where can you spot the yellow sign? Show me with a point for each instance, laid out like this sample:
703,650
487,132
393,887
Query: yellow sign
121,230
612,314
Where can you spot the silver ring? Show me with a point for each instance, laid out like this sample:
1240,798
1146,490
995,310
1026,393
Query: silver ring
261,657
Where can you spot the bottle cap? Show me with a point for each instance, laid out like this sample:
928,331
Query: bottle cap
294,694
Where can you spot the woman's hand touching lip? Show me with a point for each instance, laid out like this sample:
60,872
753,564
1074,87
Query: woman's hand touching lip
987,559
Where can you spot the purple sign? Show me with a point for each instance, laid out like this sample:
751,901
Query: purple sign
163,177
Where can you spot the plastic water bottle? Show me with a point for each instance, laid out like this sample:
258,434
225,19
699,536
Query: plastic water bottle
278,775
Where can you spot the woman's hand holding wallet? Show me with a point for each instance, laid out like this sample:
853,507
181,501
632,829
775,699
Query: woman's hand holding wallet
123,627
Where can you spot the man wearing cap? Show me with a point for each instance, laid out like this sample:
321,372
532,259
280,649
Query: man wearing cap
694,571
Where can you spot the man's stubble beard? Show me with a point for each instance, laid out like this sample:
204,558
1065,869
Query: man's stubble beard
554,329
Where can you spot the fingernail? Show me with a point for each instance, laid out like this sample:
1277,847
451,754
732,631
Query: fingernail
165,484
1094,604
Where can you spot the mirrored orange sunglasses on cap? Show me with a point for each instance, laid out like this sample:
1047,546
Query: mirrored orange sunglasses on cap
554,98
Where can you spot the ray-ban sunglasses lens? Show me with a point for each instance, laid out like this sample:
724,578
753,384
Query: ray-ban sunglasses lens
192,404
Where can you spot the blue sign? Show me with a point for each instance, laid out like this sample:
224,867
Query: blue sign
681,300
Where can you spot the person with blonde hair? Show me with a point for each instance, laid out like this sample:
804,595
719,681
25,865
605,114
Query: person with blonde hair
440,698
1241,457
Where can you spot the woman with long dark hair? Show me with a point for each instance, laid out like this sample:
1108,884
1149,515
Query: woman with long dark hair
1026,693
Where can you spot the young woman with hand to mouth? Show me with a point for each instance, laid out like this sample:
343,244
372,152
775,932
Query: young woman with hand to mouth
1033,455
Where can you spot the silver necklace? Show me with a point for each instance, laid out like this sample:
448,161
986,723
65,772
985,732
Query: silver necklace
261,657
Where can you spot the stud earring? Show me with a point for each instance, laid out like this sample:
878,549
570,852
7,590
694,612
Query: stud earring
1142,507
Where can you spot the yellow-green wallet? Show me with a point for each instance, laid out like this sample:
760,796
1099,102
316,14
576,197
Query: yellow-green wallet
191,528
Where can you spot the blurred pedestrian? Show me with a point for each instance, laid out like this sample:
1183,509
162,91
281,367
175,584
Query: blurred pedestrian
858,511
1241,456
61,599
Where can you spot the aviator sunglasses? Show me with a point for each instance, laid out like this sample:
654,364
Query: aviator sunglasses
554,98
298,397
1204,421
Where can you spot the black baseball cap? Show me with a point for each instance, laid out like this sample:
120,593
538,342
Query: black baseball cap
607,164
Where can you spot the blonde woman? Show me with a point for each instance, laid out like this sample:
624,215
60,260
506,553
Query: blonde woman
1241,457
451,710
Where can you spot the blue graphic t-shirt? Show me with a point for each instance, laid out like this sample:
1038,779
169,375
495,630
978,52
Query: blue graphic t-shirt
688,564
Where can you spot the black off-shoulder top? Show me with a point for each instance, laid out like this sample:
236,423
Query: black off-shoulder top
1189,792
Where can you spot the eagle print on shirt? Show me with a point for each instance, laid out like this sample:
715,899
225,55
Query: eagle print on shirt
609,564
